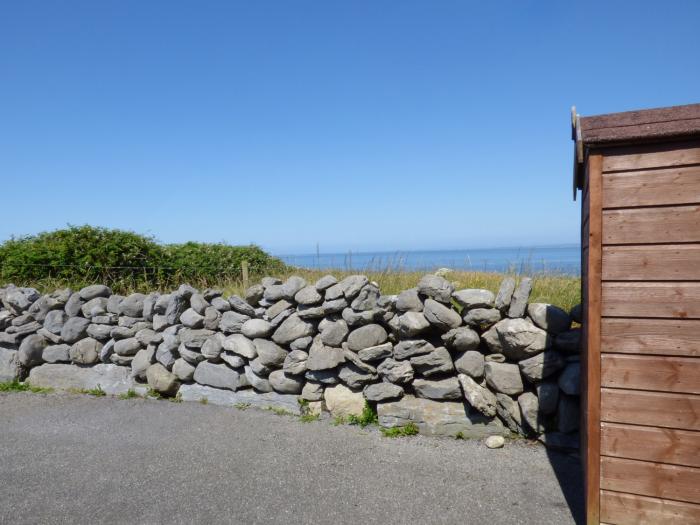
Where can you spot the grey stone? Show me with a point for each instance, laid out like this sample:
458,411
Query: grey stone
56,354
94,307
73,305
474,298
285,384
436,362
354,319
86,351
311,312
106,351
508,411
366,336
160,323
221,304
504,378
241,345
569,341
482,318
232,360
437,418
241,306
470,363
495,442
477,396
576,313
398,372
74,328
146,336
560,441
295,362
149,305
354,377
232,322
520,339
259,369
412,324
351,286
274,293
101,332
334,306
189,355
312,391
327,377
10,367
343,402
258,383
436,287
366,299
570,379
178,302
505,294
254,328
51,338
194,338
31,350
217,396
568,413
438,389
93,291
269,353
127,347
112,379
161,380
278,308
325,282
192,319
530,410
54,320
212,347
549,317
133,322
408,301
292,328
218,376
183,370
322,357
142,360
334,333
22,320
461,339
212,317
440,316
303,343
132,305
412,347
253,294
376,353
113,302
308,296
518,303
548,397
108,318
543,365
380,392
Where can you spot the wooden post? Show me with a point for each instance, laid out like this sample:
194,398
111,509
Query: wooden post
244,273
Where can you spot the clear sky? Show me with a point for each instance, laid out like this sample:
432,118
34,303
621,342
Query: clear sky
358,125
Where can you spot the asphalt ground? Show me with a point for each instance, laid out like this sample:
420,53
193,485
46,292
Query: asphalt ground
69,458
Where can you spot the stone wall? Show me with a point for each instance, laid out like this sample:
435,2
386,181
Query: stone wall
464,361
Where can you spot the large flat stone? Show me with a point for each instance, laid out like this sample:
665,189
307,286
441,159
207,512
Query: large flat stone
438,418
111,378
217,396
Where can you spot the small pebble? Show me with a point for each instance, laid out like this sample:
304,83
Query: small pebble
495,442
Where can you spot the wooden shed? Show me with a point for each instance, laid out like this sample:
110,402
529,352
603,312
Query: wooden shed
639,173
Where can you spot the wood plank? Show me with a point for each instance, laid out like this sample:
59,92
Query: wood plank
650,479
648,299
629,509
661,262
658,409
660,445
677,129
652,225
652,156
651,336
651,372
590,417
652,187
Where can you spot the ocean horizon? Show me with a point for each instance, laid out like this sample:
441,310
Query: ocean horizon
562,259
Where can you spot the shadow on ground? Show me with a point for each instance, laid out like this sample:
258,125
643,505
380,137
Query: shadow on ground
567,468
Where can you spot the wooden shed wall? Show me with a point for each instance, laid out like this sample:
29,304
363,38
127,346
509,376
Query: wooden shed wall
643,336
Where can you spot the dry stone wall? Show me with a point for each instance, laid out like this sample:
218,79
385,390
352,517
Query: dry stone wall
466,362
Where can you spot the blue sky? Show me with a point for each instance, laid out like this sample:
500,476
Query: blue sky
363,125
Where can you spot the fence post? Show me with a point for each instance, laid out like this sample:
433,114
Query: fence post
244,273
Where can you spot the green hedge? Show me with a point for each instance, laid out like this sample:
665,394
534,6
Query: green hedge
81,254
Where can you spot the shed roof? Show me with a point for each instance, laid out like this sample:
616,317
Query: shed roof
631,127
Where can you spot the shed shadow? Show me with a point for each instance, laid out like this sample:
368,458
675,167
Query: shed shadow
567,468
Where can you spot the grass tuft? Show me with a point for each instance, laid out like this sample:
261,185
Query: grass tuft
409,430
368,417
308,418
129,394
279,411
242,406
16,386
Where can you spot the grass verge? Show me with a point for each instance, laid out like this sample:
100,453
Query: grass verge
16,386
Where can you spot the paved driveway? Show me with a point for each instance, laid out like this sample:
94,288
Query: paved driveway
77,459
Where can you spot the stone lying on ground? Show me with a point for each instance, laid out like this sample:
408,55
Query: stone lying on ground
112,379
217,396
343,402
161,380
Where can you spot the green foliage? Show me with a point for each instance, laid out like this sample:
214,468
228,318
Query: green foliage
278,411
409,430
126,261
459,435
308,418
153,393
204,401
368,417
16,386
97,391
242,406
177,398
129,394
339,420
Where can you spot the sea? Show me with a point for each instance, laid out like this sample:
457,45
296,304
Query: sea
559,259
